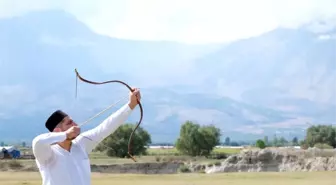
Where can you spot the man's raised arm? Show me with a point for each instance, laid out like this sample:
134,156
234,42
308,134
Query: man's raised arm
42,145
108,126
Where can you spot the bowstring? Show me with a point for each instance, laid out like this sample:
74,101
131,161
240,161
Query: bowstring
101,112
91,118
76,87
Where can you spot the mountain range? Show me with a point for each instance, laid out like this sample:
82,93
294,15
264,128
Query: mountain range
278,82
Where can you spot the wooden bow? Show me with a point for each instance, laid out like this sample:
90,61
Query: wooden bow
140,106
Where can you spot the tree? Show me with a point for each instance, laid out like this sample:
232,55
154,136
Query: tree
282,141
118,142
234,143
260,144
266,140
295,141
227,141
304,145
275,141
195,140
321,134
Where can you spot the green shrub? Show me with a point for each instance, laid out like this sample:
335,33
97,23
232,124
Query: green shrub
184,169
323,146
260,144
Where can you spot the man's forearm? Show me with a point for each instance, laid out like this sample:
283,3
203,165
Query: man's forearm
107,127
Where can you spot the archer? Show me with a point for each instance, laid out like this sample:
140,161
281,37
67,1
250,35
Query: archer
62,157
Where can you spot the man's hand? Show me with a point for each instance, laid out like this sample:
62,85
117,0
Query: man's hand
134,97
72,132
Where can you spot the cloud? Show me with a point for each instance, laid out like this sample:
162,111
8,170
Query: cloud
300,122
249,130
192,21
293,124
294,13
9,8
12,96
204,21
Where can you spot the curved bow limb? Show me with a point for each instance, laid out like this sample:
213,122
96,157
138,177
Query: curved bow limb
140,106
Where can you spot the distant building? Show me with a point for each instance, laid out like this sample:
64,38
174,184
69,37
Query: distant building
9,152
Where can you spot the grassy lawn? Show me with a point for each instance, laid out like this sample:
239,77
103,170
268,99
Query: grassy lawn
173,151
164,152
154,155
297,178
158,155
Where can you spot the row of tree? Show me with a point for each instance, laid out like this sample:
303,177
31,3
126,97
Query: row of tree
194,140
319,136
197,140
277,142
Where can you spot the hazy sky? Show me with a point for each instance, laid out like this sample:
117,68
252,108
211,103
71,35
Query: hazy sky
192,21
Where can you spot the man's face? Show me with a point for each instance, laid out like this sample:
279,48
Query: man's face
65,124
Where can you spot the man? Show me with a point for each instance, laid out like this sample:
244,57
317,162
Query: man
62,157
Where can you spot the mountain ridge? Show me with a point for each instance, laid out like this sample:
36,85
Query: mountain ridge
244,90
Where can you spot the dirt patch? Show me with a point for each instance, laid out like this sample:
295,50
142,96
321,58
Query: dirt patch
139,168
136,168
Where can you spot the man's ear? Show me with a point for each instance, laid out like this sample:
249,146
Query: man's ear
57,129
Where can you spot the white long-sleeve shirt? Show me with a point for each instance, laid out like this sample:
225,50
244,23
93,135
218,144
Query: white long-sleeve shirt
61,167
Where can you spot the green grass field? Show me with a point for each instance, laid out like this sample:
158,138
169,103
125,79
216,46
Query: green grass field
154,155
173,151
165,152
158,154
301,178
